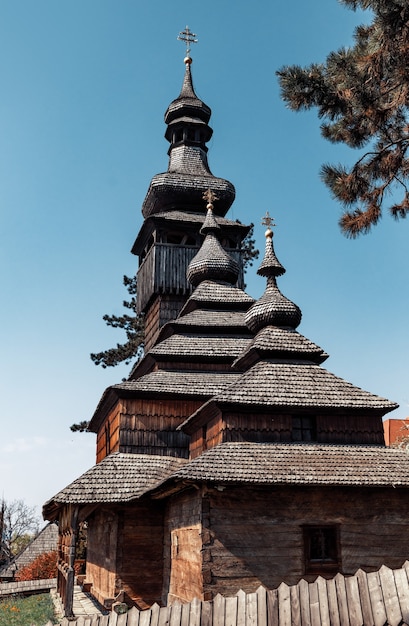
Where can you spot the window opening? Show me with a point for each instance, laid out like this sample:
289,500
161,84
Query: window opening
304,428
321,548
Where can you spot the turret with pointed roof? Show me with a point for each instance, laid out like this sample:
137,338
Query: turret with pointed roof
173,211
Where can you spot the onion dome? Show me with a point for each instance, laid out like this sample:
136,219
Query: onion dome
188,107
272,309
212,262
188,175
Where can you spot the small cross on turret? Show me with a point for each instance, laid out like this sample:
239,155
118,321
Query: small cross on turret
210,196
188,37
268,221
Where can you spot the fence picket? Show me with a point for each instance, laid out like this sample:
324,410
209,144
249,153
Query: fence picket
373,599
284,605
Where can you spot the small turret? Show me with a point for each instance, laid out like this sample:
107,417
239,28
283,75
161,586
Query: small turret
272,309
212,262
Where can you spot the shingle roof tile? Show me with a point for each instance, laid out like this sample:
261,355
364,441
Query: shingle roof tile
189,345
298,464
117,478
299,384
192,383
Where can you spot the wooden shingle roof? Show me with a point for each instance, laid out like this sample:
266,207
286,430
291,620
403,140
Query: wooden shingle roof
275,341
297,464
179,383
117,478
212,292
182,346
297,384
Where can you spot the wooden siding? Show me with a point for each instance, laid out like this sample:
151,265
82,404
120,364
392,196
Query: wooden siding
276,427
182,557
377,599
102,555
164,268
145,426
163,309
149,426
108,433
254,536
140,552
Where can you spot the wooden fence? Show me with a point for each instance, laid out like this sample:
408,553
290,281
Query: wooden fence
370,599
27,587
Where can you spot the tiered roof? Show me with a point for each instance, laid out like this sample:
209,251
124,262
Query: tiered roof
188,175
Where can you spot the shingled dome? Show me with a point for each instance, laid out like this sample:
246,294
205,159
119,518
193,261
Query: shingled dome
272,309
212,262
188,175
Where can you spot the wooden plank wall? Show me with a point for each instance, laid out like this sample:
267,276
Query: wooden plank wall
377,599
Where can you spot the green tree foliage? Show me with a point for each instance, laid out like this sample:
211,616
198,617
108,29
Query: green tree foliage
132,324
362,95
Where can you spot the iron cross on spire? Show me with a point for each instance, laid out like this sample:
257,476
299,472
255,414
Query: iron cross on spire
188,37
210,196
268,221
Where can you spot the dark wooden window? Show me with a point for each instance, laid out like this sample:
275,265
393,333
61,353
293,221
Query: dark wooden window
107,438
304,428
321,549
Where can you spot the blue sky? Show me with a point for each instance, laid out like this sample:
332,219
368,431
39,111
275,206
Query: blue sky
84,86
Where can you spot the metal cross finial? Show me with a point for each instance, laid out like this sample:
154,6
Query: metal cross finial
268,221
188,37
210,196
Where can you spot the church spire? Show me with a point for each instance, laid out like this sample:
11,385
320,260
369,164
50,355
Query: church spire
212,262
188,174
272,309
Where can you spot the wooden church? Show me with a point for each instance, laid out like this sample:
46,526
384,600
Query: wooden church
230,458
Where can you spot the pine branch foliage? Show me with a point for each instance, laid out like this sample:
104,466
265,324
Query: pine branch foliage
132,324
362,95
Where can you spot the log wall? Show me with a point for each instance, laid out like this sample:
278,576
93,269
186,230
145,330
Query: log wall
140,553
183,579
253,537
102,555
